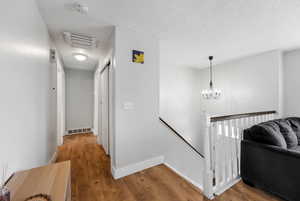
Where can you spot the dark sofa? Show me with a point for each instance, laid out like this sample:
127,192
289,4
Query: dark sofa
270,157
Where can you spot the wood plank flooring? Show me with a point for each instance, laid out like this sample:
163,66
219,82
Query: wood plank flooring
92,180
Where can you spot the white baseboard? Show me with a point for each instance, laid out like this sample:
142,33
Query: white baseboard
229,185
53,158
99,139
133,168
185,177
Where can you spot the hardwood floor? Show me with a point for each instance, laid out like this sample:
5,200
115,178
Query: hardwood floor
92,180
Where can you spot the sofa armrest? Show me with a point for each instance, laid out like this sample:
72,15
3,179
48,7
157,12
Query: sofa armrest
271,168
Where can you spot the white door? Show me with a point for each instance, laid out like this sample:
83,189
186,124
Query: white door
104,109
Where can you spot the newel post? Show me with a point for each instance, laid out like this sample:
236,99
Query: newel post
207,171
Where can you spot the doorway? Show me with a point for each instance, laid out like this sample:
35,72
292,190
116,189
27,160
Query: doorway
104,108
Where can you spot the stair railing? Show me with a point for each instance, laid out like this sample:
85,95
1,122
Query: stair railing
222,142
180,136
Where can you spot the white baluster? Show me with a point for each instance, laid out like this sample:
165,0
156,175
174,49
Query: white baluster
244,125
226,150
231,143
267,116
212,146
218,174
255,120
241,123
235,155
272,116
264,118
217,148
224,142
261,118
208,173
246,122
252,121
221,153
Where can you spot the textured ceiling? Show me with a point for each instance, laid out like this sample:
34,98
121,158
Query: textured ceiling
190,30
60,19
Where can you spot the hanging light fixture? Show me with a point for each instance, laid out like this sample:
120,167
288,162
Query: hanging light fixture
211,93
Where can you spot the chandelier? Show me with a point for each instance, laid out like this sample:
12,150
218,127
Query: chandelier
211,93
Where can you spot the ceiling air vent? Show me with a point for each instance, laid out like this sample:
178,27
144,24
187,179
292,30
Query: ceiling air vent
80,40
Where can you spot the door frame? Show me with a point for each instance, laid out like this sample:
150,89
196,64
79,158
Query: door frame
106,68
60,99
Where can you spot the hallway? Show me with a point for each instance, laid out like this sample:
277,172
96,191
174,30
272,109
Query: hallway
92,180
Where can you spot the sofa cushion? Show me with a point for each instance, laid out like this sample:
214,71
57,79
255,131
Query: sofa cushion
295,124
268,133
287,132
296,148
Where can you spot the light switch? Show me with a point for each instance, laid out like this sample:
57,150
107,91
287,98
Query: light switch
128,105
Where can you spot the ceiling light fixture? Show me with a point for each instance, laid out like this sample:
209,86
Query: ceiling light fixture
80,57
211,93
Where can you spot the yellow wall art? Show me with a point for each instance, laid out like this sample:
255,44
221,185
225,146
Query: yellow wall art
137,56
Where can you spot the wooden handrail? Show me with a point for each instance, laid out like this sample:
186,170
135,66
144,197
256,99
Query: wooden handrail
238,116
180,136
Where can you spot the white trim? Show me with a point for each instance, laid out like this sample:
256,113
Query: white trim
53,158
227,186
281,80
99,139
185,177
133,168
94,131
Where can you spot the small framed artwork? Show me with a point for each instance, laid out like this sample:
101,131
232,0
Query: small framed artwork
137,56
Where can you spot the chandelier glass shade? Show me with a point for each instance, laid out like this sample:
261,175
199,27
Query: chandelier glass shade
211,93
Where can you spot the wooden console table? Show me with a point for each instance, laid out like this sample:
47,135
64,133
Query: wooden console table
53,180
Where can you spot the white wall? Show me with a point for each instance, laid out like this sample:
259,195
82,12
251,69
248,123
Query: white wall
25,104
291,63
112,101
248,84
58,119
181,158
140,140
97,104
107,55
137,135
79,98
251,84
180,98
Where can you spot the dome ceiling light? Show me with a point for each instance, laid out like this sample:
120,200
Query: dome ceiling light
80,57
